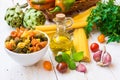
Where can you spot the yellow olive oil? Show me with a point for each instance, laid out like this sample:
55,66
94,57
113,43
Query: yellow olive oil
60,44
61,41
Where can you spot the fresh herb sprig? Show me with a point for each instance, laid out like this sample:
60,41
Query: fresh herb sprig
70,59
106,17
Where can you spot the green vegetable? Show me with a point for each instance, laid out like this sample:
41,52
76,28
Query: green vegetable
14,15
68,4
33,17
65,57
77,56
62,5
70,60
58,58
56,9
106,18
72,64
42,2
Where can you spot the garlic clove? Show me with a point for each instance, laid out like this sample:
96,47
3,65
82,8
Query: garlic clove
97,55
106,59
81,68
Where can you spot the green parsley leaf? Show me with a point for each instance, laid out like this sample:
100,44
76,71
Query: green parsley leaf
106,18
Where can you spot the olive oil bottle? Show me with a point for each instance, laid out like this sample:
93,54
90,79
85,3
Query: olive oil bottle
61,41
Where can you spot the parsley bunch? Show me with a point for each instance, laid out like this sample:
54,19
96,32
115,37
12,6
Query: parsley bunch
106,17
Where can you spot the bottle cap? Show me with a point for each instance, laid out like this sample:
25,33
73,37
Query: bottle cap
60,16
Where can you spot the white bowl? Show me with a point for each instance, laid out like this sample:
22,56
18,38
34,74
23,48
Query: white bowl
31,58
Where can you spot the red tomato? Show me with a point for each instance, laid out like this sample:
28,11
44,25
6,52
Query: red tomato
62,67
94,47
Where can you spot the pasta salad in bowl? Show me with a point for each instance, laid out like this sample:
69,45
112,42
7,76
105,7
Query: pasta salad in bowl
26,46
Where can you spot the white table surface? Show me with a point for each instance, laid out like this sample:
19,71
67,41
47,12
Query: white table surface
10,70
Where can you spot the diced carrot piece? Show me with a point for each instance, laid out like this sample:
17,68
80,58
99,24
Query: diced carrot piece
43,44
13,34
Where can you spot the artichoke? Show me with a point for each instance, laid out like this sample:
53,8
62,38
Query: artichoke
33,17
14,16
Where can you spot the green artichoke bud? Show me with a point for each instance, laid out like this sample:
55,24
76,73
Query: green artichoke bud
33,17
14,15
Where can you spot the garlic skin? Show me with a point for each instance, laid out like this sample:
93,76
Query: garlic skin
81,68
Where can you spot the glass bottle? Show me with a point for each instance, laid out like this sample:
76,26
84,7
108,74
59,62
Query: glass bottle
61,41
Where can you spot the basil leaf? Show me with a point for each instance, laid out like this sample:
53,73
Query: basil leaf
77,56
65,57
72,64
59,58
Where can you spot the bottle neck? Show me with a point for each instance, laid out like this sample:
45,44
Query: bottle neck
61,27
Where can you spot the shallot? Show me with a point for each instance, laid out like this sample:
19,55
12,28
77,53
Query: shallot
81,68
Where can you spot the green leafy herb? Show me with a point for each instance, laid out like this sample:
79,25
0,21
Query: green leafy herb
106,17
58,58
72,64
65,57
77,56
70,59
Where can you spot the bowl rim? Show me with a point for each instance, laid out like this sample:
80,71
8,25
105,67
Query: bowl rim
48,41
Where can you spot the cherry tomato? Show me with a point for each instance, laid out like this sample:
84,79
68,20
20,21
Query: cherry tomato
94,47
62,67
47,65
101,38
